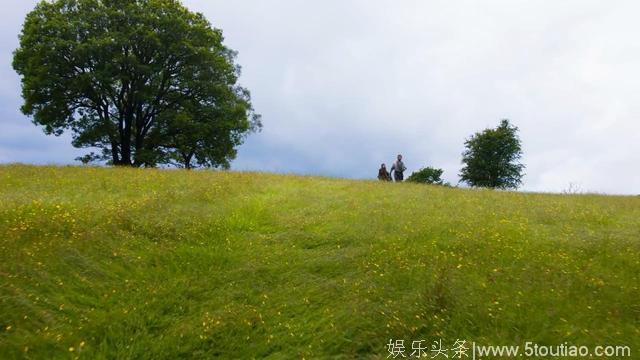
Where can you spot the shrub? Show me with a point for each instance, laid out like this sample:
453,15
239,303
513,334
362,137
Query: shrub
427,175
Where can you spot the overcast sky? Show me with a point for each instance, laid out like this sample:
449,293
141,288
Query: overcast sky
345,85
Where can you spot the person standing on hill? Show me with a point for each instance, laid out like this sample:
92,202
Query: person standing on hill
383,174
398,169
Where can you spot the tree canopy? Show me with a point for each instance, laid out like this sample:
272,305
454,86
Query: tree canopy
147,82
428,175
491,158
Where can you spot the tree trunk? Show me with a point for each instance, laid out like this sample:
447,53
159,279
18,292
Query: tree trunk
125,158
187,160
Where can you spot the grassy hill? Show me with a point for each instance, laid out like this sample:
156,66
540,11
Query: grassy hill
124,263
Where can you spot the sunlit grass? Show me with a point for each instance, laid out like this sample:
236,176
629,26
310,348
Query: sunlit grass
123,263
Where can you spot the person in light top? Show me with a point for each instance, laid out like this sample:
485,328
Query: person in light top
398,169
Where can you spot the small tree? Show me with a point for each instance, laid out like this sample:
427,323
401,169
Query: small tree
491,158
427,175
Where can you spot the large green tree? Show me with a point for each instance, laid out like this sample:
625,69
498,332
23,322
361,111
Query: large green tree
146,81
492,158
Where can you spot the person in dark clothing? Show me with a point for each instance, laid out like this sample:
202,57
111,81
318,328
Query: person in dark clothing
383,174
398,169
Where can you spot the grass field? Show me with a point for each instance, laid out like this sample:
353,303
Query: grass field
122,263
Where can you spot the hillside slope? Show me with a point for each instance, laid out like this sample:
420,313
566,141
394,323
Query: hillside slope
124,263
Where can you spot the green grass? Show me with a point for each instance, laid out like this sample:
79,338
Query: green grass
122,263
